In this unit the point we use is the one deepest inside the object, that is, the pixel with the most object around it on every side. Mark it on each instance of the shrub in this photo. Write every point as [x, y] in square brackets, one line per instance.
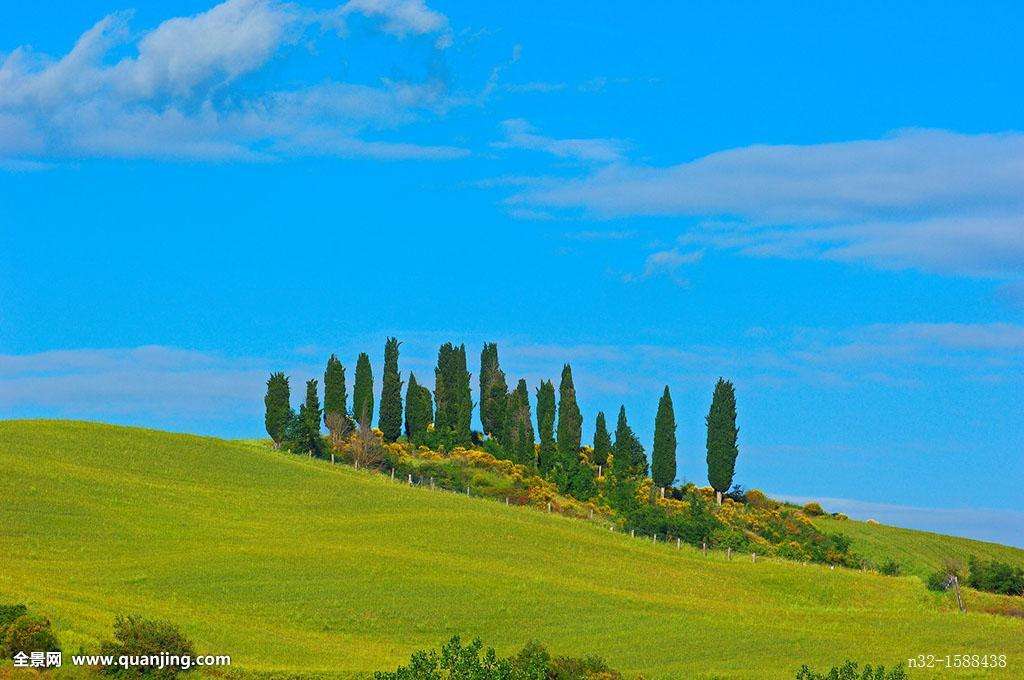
[937, 580]
[472, 662]
[758, 499]
[996, 577]
[839, 516]
[10, 612]
[28, 634]
[814, 509]
[890, 568]
[850, 671]
[142, 637]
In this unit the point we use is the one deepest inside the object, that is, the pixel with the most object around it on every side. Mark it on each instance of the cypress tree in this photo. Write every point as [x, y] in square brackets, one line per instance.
[452, 395]
[626, 451]
[518, 430]
[663, 456]
[362, 393]
[309, 421]
[570, 423]
[419, 410]
[722, 433]
[335, 397]
[546, 426]
[278, 408]
[493, 391]
[390, 418]
[602, 441]
[628, 458]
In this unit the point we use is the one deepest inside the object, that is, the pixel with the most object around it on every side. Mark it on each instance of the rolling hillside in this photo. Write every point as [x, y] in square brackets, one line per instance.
[918, 552]
[292, 564]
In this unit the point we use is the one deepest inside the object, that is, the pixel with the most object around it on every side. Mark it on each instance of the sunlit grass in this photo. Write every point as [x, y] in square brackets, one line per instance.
[288, 563]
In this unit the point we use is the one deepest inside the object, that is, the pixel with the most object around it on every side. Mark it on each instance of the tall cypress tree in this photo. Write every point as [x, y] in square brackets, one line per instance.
[722, 434]
[309, 421]
[570, 423]
[663, 456]
[626, 452]
[362, 393]
[602, 441]
[452, 395]
[335, 397]
[278, 408]
[548, 454]
[518, 430]
[419, 411]
[390, 419]
[493, 391]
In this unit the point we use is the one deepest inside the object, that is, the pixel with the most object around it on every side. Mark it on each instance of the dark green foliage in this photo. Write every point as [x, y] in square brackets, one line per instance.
[890, 568]
[602, 441]
[851, 671]
[390, 418]
[278, 407]
[8, 613]
[419, 411]
[135, 636]
[518, 430]
[336, 417]
[546, 426]
[722, 433]
[452, 396]
[493, 391]
[628, 458]
[996, 577]
[694, 526]
[455, 661]
[663, 456]
[583, 483]
[26, 634]
[308, 439]
[362, 392]
[570, 422]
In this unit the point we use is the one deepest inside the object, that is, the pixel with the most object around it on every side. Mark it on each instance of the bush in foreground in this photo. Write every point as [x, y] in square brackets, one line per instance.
[135, 637]
[851, 671]
[454, 661]
[26, 634]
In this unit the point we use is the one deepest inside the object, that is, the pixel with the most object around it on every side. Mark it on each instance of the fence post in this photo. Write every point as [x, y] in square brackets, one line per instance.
[753, 557]
[431, 482]
[591, 513]
[662, 492]
[549, 506]
[678, 542]
[332, 457]
[506, 500]
[356, 461]
[598, 470]
[632, 533]
[654, 538]
[410, 479]
[728, 553]
[704, 548]
[392, 474]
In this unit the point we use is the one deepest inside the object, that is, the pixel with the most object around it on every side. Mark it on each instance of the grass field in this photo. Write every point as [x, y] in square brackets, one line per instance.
[918, 552]
[292, 564]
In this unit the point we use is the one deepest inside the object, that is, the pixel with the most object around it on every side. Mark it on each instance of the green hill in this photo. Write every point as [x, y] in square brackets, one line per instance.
[917, 552]
[291, 564]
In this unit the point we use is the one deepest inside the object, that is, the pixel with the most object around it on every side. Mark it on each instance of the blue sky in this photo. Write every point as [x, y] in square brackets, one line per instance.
[826, 207]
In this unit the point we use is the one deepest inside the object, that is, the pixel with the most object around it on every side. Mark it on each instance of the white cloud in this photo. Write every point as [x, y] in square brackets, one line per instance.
[402, 18]
[927, 199]
[666, 263]
[519, 134]
[179, 95]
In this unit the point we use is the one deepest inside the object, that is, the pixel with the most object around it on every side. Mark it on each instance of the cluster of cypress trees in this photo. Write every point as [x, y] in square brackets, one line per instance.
[505, 416]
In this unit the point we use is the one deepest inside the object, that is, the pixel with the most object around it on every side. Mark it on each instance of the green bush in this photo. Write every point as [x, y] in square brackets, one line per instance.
[455, 661]
[937, 580]
[996, 577]
[814, 509]
[890, 568]
[27, 634]
[134, 636]
[850, 671]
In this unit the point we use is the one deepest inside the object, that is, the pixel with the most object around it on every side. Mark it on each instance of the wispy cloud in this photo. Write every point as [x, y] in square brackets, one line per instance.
[520, 134]
[179, 93]
[927, 199]
[666, 263]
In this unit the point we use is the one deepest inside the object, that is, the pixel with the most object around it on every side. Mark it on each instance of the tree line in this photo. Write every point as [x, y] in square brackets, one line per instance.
[442, 419]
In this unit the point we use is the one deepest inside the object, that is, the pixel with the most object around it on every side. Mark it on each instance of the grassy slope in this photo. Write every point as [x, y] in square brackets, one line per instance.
[287, 563]
[918, 552]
